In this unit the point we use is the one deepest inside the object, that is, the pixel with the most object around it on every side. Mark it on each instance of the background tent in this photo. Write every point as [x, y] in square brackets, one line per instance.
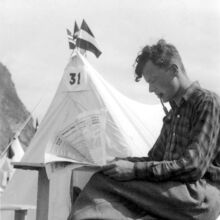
[84, 102]
[14, 154]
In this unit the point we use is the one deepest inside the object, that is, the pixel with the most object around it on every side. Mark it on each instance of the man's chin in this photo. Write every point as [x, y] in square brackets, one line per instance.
[164, 99]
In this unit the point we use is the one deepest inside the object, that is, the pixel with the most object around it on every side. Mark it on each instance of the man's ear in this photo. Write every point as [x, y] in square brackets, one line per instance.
[174, 69]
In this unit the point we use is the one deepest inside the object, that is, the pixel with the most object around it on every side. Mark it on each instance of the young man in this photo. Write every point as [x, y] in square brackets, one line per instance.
[180, 177]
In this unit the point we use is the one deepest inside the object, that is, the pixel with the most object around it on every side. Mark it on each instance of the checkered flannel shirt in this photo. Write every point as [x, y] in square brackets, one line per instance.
[188, 147]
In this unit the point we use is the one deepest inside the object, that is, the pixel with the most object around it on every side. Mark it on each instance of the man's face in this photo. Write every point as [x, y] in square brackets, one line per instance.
[162, 82]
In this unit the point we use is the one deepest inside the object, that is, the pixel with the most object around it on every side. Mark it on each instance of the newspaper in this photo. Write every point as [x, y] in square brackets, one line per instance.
[82, 141]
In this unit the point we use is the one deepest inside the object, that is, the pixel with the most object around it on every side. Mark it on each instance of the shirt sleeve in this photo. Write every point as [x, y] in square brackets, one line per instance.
[198, 154]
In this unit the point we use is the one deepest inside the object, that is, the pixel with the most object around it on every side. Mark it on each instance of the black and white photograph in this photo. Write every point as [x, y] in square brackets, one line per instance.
[109, 110]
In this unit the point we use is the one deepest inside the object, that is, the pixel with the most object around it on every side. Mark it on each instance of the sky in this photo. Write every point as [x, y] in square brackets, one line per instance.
[34, 46]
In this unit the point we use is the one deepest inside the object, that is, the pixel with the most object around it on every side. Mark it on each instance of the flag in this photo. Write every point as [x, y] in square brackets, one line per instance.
[70, 39]
[86, 40]
[10, 152]
[75, 31]
[15, 151]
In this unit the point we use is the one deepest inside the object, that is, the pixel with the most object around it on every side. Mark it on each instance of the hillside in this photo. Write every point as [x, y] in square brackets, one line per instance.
[12, 112]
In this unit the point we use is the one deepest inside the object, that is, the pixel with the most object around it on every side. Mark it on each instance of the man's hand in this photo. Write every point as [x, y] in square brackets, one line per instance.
[121, 170]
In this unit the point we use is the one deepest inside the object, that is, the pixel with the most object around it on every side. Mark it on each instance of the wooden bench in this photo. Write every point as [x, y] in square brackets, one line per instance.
[44, 187]
[20, 211]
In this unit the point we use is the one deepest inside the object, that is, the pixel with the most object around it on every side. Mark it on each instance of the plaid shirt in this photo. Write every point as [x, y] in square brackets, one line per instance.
[188, 147]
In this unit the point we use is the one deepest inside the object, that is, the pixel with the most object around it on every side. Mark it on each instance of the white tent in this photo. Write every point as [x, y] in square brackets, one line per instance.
[88, 121]
[129, 127]
[6, 169]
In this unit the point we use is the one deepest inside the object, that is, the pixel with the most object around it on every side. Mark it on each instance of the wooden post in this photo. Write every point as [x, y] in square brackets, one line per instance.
[42, 212]
[43, 195]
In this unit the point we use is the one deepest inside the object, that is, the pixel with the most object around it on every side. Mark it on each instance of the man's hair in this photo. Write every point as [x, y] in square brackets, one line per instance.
[162, 55]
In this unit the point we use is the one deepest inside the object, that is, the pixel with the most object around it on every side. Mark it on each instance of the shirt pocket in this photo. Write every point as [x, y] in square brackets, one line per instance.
[182, 137]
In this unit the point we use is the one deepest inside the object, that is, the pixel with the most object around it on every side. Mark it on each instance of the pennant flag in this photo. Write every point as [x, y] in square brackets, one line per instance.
[76, 31]
[70, 39]
[86, 40]
[10, 153]
[15, 151]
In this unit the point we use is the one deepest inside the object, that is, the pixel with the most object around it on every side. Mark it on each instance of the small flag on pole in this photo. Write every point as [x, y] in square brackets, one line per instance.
[75, 31]
[15, 151]
[10, 153]
[86, 40]
[70, 39]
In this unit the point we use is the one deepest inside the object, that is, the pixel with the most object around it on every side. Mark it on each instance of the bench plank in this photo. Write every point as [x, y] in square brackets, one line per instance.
[20, 211]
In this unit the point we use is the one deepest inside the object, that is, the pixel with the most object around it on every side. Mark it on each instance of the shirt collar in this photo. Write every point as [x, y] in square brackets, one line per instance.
[185, 97]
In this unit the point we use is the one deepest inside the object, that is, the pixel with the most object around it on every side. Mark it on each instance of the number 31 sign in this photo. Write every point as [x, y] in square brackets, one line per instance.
[76, 80]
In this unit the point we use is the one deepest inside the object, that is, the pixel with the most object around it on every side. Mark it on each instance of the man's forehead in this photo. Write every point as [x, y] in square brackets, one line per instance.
[150, 69]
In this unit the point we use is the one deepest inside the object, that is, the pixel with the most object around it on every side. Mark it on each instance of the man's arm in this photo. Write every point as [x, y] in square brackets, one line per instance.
[124, 168]
[198, 154]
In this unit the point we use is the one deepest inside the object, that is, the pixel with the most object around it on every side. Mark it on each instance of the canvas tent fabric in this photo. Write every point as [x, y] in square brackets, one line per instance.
[88, 109]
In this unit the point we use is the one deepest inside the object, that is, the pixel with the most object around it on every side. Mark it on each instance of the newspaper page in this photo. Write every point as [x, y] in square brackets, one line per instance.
[83, 140]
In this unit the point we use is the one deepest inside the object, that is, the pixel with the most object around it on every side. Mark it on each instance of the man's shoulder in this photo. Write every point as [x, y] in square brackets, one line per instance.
[201, 95]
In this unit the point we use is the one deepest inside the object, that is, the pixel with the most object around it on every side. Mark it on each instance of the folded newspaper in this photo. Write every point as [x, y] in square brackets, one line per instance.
[82, 141]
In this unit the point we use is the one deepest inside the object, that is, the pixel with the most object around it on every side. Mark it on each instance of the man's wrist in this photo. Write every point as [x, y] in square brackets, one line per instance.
[140, 170]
